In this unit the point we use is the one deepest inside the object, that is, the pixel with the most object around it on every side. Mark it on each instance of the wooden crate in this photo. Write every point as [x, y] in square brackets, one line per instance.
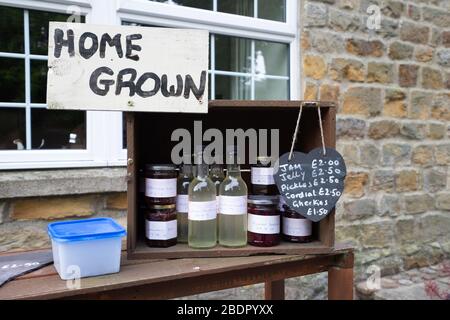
[149, 141]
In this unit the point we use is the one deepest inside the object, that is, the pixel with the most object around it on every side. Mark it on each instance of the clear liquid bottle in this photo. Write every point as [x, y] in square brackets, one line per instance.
[184, 179]
[202, 215]
[233, 205]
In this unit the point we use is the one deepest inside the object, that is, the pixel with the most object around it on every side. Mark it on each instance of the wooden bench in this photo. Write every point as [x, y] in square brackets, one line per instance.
[165, 279]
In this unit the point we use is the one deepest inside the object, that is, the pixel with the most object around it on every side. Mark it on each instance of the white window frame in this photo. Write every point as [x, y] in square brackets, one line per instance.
[104, 129]
[156, 13]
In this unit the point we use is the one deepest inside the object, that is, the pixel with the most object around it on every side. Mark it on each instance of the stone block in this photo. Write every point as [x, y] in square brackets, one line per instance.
[438, 17]
[420, 105]
[424, 54]
[314, 67]
[365, 48]
[442, 154]
[432, 79]
[443, 201]
[396, 154]
[359, 209]
[383, 180]
[407, 181]
[355, 184]
[435, 179]
[380, 72]
[53, 208]
[414, 32]
[316, 14]
[329, 92]
[414, 130]
[382, 129]
[344, 22]
[407, 75]
[418, 203]
[400, 51]
[362, 101]
[347, 69]
[351, 128]
[423, 155]
[369, 155]
[436, 130]
[117, 201]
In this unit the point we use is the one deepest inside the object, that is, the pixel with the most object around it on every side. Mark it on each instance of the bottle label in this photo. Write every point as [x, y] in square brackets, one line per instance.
[160, 188]
[230, 205]
[161, 230]
[297, 227]
[202, 211]
[262, 176]
[182, 203]
[263, 224]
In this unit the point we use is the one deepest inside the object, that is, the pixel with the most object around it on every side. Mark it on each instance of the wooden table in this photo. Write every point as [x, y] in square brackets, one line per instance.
[165, 279]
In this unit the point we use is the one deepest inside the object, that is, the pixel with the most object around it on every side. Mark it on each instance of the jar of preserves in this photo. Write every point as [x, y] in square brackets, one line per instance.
[161, 226]
[295, 227]
[262, 179]
[160, 184]
[263, 221]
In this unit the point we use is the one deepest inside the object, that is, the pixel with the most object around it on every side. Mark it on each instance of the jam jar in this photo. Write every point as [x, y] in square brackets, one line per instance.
[295, 227]
[160, 184]
[263, 221]
[262, 179]
[161, 226]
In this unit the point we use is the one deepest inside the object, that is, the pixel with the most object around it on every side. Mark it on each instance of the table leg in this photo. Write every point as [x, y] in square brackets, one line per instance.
[274, 290]
[340, 283]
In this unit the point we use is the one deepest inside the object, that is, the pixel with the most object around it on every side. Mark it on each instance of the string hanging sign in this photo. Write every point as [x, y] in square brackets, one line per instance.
[312, 183]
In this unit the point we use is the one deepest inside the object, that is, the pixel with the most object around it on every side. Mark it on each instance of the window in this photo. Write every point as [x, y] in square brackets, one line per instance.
[25, 124]
[254, 55]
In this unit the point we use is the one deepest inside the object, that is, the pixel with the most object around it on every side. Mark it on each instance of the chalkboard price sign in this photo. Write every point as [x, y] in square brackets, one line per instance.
[312, 183]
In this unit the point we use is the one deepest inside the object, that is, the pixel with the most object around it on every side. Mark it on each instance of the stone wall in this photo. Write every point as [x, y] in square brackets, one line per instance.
[393, 90]
[392, 86]
[29, 200]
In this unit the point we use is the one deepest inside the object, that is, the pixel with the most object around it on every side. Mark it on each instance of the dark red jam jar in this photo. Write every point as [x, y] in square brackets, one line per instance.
[262, 178]
[161, 226]
[263, 221]
[295, 227]
[160, 184]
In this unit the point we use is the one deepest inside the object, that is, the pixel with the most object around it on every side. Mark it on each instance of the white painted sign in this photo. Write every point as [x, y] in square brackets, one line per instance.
[127, 68]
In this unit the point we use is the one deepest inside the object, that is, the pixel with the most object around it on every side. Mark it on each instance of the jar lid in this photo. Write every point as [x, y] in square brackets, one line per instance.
[264, 160]
[258, 199]
[160, 167]
[162, 207]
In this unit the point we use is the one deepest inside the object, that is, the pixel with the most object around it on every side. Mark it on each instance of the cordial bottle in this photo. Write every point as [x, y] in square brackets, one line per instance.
[202, 211]
[233, 205]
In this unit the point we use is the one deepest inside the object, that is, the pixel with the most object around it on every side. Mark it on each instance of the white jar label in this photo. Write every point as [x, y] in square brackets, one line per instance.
[233, 205]
[202, 211]
[297, 227]
[182, 203]
[263, 224]
[262, 176]
[161, 230]
[160, 188]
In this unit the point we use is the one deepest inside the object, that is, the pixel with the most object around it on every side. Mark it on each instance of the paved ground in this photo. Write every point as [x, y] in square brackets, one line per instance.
[411, 285]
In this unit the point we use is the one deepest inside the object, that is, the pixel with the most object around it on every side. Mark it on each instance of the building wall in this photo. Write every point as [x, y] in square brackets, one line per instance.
[393, 91]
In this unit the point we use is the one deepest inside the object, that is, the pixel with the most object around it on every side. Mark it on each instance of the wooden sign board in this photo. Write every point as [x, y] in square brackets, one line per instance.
[127, 68]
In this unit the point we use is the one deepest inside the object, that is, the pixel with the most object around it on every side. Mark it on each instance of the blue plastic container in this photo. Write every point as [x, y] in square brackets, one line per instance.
[86, 248]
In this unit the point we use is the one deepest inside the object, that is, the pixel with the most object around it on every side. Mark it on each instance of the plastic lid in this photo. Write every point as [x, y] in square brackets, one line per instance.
[260, 199]
[87, 229]
[160, 167]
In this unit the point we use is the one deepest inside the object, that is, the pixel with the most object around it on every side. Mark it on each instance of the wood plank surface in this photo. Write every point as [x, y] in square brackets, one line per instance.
[210, 274]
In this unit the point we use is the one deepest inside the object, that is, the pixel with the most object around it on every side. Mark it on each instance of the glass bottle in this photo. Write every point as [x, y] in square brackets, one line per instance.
[202, 212]
[184, 178]
[233, 205]
[262, 179]
[217, 176]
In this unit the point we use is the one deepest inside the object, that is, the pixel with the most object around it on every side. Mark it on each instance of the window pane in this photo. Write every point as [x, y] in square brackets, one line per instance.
[12, 80]
[56, 129]
[243, 7]
[270, 89]
[272, 58]
[200, 4]
[11, 30]
[39, 29]
[272, 10]
[38, 81]
[233, 54]
[12, 128]
[238, 88]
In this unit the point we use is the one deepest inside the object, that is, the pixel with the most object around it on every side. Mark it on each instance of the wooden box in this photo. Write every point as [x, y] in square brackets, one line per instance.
[149, 141]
